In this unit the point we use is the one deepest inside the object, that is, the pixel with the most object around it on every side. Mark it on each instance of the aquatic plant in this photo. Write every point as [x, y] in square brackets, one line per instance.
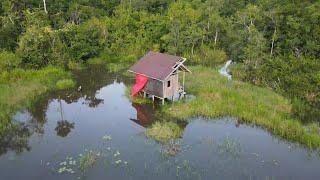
[65, 84]
[106, 138]
[86, 161]
[216, 96]
[172, 148]
[230, 146]
[164, 131]
[67, 166]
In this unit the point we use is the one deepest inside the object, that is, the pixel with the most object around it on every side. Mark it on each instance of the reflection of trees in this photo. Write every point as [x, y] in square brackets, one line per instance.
[91, 80]
[15, 138]
[63, 128]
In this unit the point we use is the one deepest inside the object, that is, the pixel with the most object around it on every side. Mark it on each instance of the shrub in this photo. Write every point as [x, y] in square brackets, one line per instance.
[37, 47]
[8, 61]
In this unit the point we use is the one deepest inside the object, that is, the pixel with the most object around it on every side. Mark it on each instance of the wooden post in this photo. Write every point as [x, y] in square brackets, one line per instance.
[183, 78]
[162, 101]
[144, 94]
[153, 98]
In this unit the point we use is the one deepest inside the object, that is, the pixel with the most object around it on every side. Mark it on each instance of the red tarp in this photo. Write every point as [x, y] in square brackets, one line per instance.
[141, 81]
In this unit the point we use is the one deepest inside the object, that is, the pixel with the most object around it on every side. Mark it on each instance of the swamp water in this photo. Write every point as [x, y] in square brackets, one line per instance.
[103, 133]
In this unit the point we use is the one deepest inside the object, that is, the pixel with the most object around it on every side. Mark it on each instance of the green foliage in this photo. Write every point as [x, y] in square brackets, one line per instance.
[296, 77]
[65, 84]
[8, 61]
[86, 40]
[39, 47]
[164, 131]
[36, 19]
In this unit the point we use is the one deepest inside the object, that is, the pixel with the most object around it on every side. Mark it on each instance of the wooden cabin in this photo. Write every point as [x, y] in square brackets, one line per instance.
[163, 72]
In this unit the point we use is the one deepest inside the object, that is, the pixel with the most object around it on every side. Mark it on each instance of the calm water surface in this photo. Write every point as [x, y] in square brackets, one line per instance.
[62, 126]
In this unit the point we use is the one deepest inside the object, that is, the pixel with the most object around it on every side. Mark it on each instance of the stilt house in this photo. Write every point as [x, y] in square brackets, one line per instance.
[162, 73]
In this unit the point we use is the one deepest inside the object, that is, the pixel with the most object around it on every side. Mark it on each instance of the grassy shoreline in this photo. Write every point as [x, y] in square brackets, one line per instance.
[18, 88]
[216, 97]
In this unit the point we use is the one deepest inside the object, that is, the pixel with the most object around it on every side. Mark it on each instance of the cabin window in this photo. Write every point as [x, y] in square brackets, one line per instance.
[168, 84]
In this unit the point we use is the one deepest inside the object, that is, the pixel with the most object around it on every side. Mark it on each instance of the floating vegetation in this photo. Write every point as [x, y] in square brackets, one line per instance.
[67, 166]
[106, 138]
[116, 154]
[86, 161]
[164, 131]
[118, 161]
[230, 147]
[172, 148]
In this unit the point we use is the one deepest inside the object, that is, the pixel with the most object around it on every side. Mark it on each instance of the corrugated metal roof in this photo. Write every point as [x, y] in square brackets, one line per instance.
[156, 65]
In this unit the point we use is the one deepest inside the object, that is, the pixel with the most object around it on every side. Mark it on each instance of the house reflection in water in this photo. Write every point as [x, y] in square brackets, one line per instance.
[145, 114]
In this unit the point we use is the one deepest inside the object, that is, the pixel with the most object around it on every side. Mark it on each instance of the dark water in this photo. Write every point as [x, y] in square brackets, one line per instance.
[100, 120]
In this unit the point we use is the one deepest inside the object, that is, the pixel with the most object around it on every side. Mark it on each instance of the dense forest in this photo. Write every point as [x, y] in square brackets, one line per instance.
[274, 44]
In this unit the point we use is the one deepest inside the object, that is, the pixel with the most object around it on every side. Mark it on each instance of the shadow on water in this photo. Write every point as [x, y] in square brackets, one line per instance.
[64, 129]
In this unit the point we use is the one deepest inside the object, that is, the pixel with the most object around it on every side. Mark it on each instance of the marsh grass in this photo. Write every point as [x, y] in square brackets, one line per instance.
[216, 96]
[18, 88]
[86, 161]
[65, 84]
[164, 131]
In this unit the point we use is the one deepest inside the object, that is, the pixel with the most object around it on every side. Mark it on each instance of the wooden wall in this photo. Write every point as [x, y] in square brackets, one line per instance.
[174, 86]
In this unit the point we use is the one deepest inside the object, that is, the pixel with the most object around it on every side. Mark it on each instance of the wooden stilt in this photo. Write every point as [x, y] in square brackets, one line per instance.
[183, 79]
[162, 101]
[153, 98]
[144, 94]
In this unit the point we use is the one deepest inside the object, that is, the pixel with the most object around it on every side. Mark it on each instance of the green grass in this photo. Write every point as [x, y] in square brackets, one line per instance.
[18, 88]
[164, 131]
[216, 97]
[65, 84]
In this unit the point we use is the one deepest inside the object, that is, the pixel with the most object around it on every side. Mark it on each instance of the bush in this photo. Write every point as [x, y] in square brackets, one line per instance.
[209, 57]
[296, 77]
[65, 84]
[8, 61]
[39, 47]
